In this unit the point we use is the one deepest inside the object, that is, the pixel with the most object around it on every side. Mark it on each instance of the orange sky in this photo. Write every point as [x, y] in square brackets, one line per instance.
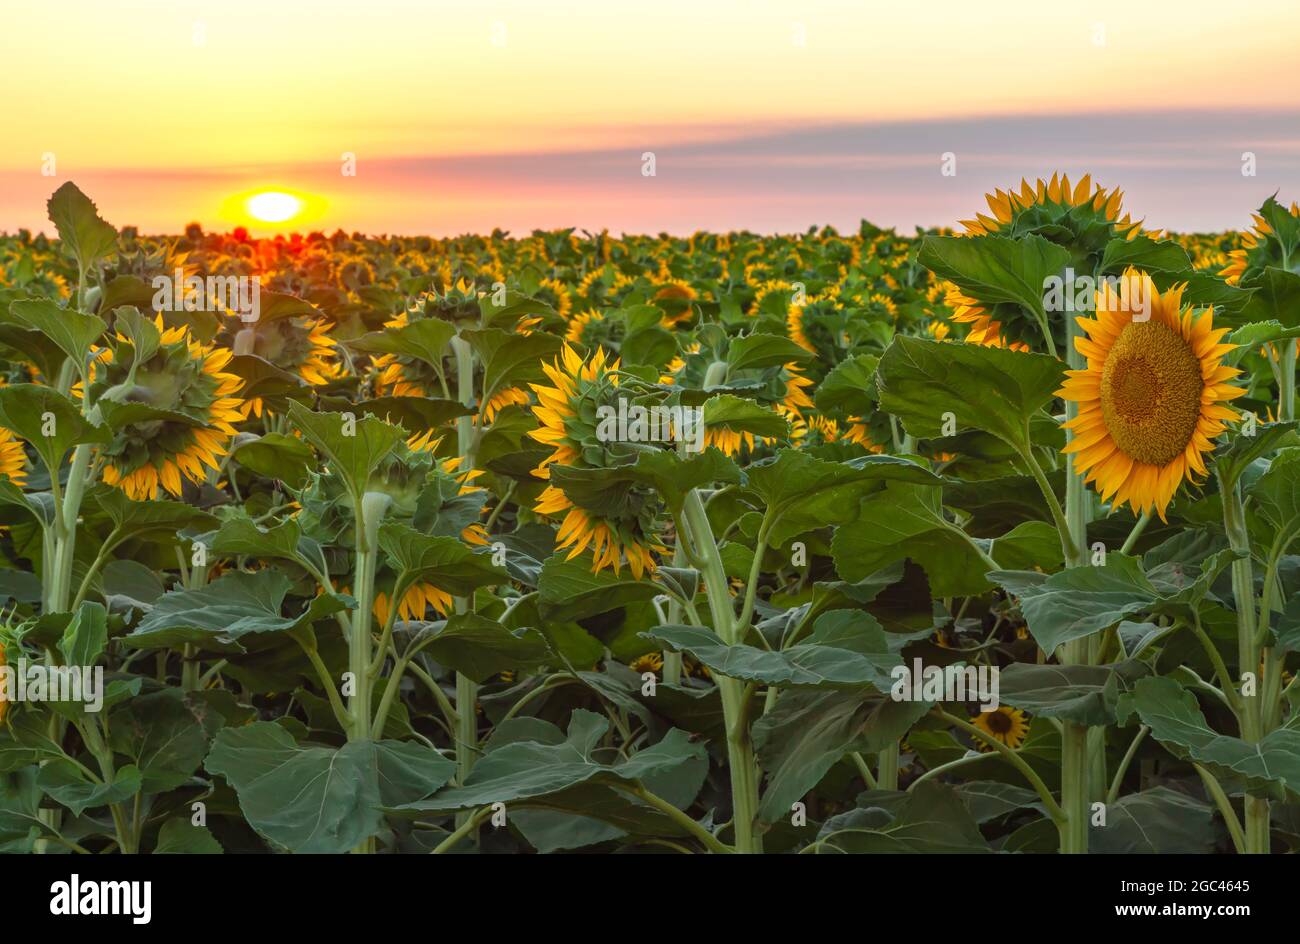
[173, 106]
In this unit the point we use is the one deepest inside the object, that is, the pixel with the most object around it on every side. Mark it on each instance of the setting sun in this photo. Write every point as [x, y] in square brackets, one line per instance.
[273, 206]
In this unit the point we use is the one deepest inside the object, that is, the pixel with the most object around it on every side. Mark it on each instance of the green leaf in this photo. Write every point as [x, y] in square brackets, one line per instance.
[850, 388]
[1155, 821]
[743, 416]
[1143, 252]
[987, 388]
[65, 783]
[529, 770]
[235, 605]
[1176, 721]
[73, 331]
[445, 562]
[930, 818]
[1230, 463]
[276, 456]
[478, 647]
[316, 799]
[138, 518]
[179, 836]
[163, 737]
[996, 269]
[240, 535]
[906, 521]
[139, 330]
[83, 232]
[568, 590]
[425, 339]
[48, 420]
[758, 351]
[808, 732]
[807, 665]
[800, 492]
[1029, 544]
[1083, 694]
[512, 360]
[86, 637]
[353, 447]
[673, 476]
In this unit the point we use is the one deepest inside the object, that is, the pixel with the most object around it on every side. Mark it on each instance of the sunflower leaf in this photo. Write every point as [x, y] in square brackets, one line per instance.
[48, 420]
[353, 446]
[80, 226]
[446, 562]
[926, 383]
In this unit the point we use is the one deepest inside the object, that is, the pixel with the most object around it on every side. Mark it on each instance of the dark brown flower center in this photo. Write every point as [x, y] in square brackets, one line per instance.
[1151, 392]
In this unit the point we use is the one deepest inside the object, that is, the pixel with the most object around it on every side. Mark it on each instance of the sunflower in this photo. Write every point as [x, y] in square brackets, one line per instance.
[623, 526]
[183, 380]
[675, 297]
[1257, 251]
[13, 458]
[1005, 724]
[297, 345]
[414, 604]
[650, 662]
[984, 330]
[556, 294]
[1048, 203]
[510, 396]
[1152, 396]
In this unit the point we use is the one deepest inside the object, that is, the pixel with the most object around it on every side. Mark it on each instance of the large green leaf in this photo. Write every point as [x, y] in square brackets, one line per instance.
[1176, 721]
[800, 492]
[425, 339]
[808, 732]
[478, 647]
[1080, 601]
[569, 590]
[996, 269]
[316, 799]
[234, 605]
[276, 456]
[1084, 694]
[810, 664]
[525, 771]
[756, 351]
[1155, 821]
[83, 232]
[446, 562]
[988, 388]
[930, 818]
[743, 416]
[48, 420]
[907, 521]
[353, 447]
[73, 331]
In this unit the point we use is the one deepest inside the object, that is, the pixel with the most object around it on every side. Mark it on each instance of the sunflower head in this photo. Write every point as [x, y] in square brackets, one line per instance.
[616, 518]
[1082, 217]
[1004, 723]
[299, 345]
[1274, 241]
[189, 408]
[592, 329]
[1152, 396]
[13, 457]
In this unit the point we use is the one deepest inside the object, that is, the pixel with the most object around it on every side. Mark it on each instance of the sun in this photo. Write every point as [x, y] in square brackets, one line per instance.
[273, 206]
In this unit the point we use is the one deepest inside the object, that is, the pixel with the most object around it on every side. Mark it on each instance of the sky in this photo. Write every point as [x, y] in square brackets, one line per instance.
[772, 116]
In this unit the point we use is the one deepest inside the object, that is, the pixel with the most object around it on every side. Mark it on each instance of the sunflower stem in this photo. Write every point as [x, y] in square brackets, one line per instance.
[740, 749]
[466, 688]
[1286, 382]
[1250, 714]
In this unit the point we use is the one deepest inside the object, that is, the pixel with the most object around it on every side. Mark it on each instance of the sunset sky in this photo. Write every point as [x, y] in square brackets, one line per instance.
[767, 115]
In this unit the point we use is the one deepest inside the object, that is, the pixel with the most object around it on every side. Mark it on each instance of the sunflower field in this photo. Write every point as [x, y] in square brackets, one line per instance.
[981, 540]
